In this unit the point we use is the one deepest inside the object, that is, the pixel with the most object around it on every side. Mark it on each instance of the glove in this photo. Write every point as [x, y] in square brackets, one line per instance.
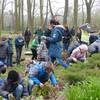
[43, 37]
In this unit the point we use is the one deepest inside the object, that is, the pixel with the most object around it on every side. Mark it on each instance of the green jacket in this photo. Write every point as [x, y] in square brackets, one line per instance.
[34, 43]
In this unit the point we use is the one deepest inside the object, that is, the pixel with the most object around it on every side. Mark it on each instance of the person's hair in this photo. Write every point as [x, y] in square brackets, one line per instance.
[54, 22]
[13, 76]
[3, 70]
[49, 67]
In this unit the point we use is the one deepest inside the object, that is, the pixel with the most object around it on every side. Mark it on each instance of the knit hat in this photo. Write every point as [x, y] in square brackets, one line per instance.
[83, 47]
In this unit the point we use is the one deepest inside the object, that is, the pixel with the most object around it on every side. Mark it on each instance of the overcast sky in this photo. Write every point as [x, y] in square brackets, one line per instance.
[56, 4]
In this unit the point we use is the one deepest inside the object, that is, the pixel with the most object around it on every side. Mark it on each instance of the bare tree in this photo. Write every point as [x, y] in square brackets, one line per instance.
[33, 13]
[2, 14]
[65, 12]
[22, 15]
[46, 18]
[19, 9]
[29, 8]
[82, 11]
[41, 14]
[51, 11]
[0, 21]
[16, 17]
[89, 5]
[75, 12]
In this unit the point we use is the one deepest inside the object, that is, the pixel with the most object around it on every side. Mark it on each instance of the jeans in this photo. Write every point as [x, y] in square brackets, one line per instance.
[18, 54]
[9, 59]
[17, 93]
[57, 56]
[30, 86]
[65, 46]
[3, 60]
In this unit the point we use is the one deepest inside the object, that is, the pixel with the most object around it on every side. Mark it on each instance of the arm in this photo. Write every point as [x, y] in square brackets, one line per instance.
[53, 79]
[55, 37]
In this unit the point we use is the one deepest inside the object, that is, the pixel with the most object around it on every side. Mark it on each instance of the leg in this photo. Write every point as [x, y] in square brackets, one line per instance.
[30, 86]
[17, 55]
[18, 92]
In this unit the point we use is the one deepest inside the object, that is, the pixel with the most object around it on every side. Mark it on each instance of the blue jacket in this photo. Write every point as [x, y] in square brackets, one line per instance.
[55, 41]
[41, 76]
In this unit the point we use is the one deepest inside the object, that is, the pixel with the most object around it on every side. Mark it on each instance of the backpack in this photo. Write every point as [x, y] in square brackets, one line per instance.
[19, 41]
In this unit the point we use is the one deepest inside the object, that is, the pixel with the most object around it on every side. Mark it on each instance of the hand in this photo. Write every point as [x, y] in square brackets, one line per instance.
[74, 59]
[43, 37]
[57, 87]
[41, 85]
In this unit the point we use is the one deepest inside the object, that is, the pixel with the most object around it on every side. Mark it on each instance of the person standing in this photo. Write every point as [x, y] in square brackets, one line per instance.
[19, 43]
[10, 51]
[55, 38]
[3, 49]
[27, 37]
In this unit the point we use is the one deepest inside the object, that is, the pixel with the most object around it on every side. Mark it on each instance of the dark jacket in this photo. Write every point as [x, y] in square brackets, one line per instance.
[10, 46]
[3, 49]
[66, 36]
[27, 35]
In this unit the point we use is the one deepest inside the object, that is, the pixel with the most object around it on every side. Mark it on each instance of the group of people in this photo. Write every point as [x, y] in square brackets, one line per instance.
[46, 49]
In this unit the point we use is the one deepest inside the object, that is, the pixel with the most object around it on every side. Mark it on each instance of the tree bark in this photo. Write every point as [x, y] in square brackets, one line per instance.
[16, 17]
[51, 11]
[75, 12]
[41, 15]
[22, 15]
[89, 5]
[29, 6]
[2, 15]
[33, 21]
[65, 13]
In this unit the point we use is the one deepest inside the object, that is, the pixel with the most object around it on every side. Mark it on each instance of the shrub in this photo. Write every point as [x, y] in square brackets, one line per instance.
[87, 90]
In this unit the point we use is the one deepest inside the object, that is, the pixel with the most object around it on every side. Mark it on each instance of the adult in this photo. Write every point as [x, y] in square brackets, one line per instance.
[78, 34]
[55, 39]
[3, 49]
[66, 38]
[27, 37]
[95, 47]
[19, 43]
[10, 52]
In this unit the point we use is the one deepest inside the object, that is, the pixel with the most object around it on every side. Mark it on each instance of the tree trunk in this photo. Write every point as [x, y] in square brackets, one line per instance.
[19, 6]
[89, 5]
[65, 13]
[29, 6]
[46, 18]
[16, 17]
[22, 15]
[88, 19]
[75, 13]
[52, 15]
[41, 15]
[33, 21]
[2, 15]
[82, 12]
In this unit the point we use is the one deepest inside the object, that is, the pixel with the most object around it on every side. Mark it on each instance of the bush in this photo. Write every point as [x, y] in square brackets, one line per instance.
[87, 90]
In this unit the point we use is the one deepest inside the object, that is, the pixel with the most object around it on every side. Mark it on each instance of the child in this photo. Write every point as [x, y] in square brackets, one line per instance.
[39, 74]
[42, 50]
[34, 47]
[12, 85]
[78, 54]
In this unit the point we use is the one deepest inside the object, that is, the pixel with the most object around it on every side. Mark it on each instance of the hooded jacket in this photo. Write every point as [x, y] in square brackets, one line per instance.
[3, 49]
[79, 52]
